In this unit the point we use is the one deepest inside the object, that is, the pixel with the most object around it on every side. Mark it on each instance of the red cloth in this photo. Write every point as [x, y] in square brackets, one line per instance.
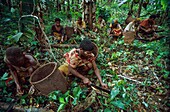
[147, 23]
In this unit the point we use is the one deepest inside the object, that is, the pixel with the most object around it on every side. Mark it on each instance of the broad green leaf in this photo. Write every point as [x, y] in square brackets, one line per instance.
[60, 107]
[77, 91]
[164, 3]
[118, 104]
[5, 76]
[114, 93]
[12, 10]
[75, 101]
[17, 36]
[61, 99]
[107, 110]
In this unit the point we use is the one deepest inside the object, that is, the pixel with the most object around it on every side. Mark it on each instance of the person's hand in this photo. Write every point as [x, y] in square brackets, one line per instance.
[19, 90]
[104, 85]
[148, 30]
[86, 81]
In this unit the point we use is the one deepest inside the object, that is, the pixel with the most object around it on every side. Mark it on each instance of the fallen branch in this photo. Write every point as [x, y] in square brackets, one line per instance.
[121, 76]
[130, 79]
[4, 106]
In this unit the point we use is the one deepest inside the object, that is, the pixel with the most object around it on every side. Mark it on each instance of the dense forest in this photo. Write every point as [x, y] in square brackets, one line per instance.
[134, 65]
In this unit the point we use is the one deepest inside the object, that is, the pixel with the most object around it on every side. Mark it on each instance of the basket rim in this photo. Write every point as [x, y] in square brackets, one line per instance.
[44, 77]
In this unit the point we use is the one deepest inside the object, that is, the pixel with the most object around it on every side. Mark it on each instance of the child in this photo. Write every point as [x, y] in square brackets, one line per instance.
[20, 64]
[81, 60]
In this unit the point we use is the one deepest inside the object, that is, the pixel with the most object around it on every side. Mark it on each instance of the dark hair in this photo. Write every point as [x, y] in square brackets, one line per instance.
[57, 19]
[100, 16]
[80, 18]
[86, 45]
[14, 54]
[152, 16]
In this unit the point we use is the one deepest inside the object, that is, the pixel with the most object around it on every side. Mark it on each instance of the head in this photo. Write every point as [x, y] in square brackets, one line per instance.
[137, 21]
[79, 20]
[86, 46]
[15, 56]
[152, 18]
[100, 18]
[57, 21]
[114, 23]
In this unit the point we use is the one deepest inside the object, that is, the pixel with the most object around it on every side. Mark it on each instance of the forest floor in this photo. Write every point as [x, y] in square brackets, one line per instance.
[135, 64]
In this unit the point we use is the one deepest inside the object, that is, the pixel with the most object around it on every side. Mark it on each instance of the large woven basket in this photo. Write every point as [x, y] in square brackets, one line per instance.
[48, 78]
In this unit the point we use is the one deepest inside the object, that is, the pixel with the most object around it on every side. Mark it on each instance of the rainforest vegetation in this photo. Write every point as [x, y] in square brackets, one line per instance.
[137, 73]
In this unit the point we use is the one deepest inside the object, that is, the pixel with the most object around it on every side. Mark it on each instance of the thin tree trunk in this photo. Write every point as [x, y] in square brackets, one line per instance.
[90, 15]
[140, 7]
[68, 7]
[57, 3]
[131, 8]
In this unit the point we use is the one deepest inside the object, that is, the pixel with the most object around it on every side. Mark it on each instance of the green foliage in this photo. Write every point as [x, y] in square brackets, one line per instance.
[165, 3]
[124, 94]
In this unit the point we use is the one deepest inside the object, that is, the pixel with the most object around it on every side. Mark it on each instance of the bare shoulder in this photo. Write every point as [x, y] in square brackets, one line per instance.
[30, 58]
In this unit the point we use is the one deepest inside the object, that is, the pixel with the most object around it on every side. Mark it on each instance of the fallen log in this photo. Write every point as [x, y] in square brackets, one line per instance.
[64, 45]
[150, 39]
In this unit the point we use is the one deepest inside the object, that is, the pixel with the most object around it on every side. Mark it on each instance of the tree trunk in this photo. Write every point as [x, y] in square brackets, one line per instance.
[140, 7]
[68, 7]
[90, 15]
[131, 7]
[89, 10]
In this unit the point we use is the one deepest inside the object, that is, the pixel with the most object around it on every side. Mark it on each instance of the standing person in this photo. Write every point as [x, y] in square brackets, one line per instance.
[21, 65]
[81, 60]
[147, 28]
[58, 31]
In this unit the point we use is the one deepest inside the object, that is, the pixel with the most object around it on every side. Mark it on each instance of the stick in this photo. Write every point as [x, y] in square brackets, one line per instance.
[126, 78]
[46, 38]
[100, 88]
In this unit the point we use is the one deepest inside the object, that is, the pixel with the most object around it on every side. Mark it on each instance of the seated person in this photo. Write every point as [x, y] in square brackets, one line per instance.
[147, 27]
[81, 60]
[21, 65]
[116, 30]
[100, 24]
[80, 25]
[58, 31]
[132, 26]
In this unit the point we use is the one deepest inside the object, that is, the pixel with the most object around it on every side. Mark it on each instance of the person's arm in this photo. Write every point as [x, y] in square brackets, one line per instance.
[142, 28]
[97, 72]
[15, 76]
[120, 27]
[32, 61]
[77, 74]
[84, 25]
[52, 30]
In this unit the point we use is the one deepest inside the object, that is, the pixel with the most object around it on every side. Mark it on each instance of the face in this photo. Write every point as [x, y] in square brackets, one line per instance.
[100, 19]
[57, 23]
[79, 21]
[151, 20]
[86, 53]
